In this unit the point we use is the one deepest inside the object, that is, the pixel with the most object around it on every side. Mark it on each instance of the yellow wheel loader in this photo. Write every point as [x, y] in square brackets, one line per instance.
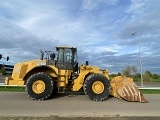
[60, 72]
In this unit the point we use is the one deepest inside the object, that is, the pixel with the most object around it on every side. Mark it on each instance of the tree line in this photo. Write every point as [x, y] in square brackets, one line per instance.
[131, 71]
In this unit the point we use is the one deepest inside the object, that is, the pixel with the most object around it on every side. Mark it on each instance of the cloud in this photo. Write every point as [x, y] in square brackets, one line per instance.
[100, 29]
[96, 4]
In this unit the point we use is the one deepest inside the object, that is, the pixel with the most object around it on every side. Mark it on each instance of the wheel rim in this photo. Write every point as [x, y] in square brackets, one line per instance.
[38, 86]
[98, 87]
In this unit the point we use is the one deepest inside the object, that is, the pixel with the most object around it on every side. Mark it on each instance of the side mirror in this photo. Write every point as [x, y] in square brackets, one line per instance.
[7, 58]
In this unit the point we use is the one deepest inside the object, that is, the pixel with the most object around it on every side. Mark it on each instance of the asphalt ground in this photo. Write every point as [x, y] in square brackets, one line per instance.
[17, 104]
[79, 118]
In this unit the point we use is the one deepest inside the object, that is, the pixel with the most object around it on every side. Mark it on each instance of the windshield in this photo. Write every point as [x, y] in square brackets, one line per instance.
[67, 53]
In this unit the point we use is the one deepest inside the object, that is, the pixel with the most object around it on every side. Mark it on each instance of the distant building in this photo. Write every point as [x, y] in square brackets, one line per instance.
[7, 68]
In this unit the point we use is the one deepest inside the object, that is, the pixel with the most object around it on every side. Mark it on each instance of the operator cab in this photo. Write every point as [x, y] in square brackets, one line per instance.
[67, 58]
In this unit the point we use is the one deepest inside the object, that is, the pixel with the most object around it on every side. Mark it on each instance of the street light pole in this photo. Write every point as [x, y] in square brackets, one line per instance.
[140, 56]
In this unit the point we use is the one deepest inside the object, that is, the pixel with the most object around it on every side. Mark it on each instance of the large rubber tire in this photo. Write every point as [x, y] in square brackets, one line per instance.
[39, 78]
[89, 83]
[55, 89]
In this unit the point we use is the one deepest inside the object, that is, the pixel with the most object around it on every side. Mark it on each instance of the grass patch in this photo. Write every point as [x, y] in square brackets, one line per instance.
[12, 88]
[155, 80]
[150, 91]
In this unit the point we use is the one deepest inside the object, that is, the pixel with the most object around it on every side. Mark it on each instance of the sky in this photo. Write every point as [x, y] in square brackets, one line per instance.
[100, 29]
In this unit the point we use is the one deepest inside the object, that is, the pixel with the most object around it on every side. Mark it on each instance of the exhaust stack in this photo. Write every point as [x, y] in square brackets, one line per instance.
[41, 55]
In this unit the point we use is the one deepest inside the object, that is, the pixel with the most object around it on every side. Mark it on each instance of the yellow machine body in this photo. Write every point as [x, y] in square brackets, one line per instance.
[22, 71]
[42, 78]
[84, 72]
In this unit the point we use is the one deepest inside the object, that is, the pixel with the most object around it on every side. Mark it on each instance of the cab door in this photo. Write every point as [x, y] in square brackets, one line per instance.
[65, 59]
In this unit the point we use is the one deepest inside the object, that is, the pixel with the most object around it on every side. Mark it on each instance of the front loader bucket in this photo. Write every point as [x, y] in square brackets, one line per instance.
[125, 88]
